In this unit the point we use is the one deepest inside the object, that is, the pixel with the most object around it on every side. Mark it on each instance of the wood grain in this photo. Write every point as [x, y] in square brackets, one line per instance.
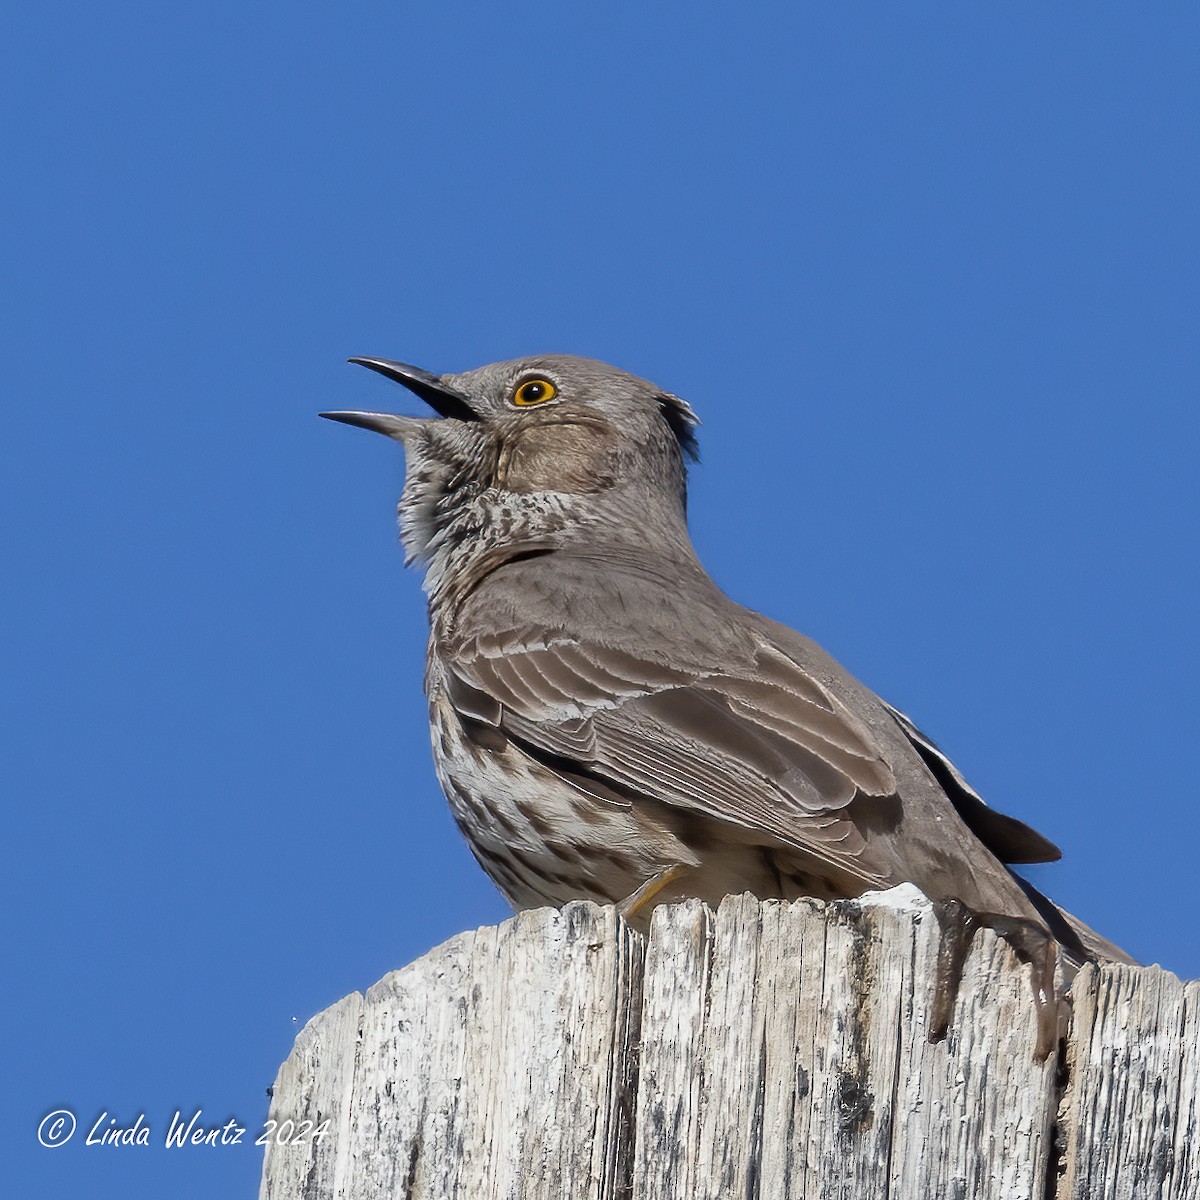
[499, 1065]
[1131, 1106]
[802, 1067]
[768, 1050]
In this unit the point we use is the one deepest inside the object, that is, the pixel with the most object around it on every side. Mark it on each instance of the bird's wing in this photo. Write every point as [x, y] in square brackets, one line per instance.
[1010, 840]
[762, 745]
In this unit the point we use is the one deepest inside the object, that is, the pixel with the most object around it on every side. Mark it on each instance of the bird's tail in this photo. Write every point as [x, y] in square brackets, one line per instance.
[1080, 942]
[1099, 949]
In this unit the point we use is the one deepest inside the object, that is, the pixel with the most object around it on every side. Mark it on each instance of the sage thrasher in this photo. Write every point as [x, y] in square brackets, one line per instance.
[606, 723]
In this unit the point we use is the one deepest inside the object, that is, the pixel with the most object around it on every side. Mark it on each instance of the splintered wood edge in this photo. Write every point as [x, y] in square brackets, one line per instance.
[1131, 1107]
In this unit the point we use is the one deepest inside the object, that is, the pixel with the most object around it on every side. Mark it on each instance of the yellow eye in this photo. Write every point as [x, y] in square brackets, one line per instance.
[534, 391]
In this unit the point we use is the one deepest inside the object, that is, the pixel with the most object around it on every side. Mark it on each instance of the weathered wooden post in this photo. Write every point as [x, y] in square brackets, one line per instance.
[767, 1050]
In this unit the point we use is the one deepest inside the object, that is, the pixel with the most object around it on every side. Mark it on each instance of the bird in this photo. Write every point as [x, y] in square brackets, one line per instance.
[608, 725]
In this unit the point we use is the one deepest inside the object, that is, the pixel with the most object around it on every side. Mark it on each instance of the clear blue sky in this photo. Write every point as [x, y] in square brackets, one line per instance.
[929, 274]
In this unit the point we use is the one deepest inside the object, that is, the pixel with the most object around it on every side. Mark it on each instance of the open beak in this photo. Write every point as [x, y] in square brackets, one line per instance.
[443, 399]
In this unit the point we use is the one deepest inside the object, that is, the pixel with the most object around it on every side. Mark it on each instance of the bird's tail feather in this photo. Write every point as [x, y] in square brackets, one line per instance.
[1100, 949]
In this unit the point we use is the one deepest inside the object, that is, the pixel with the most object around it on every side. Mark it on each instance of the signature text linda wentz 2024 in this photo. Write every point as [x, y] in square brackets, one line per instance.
[193, 1131]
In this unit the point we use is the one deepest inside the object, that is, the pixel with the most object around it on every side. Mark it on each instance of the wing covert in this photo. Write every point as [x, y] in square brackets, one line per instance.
[764, 748]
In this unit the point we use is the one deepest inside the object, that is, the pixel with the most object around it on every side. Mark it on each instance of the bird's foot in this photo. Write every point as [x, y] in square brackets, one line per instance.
[636, 901]
[1032, 945]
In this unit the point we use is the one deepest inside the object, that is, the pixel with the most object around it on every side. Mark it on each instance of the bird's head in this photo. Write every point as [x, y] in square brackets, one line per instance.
[534, 448]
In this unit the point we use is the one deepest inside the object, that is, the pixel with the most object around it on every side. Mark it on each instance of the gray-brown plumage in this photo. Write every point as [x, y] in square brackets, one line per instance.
[606, 723]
